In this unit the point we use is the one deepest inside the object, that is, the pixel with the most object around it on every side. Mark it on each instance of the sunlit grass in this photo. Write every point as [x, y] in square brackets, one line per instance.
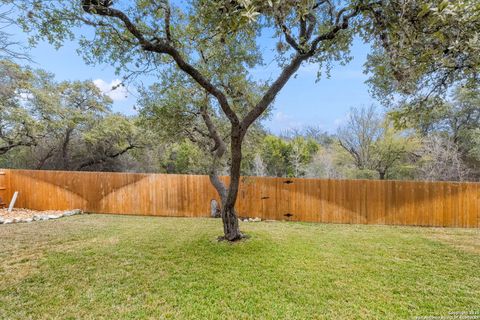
[111, 267]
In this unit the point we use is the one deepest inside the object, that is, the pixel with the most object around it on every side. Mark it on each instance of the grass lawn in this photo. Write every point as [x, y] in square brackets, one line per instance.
[117, 267]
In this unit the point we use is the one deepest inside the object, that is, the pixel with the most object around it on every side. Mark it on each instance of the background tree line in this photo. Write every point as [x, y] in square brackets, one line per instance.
[45, 124]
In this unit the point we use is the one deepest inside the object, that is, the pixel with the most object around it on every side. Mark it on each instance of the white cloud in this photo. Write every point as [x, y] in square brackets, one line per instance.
[285, 121]
[113, 89]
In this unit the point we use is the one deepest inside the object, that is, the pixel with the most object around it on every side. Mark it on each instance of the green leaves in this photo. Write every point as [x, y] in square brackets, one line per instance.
[422, 48]
[60, 125]
[444, 4]
[425, 9]
[287, 157]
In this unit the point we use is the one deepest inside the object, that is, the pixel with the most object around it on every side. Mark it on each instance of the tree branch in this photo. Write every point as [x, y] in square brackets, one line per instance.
[218, 151]
[163, 47]
[295, 63]
[105, 157]
[272, 92]
[168, 14]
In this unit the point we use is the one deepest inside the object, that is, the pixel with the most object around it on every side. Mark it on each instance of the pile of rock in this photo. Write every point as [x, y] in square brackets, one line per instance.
[26, 216]
[251, 219]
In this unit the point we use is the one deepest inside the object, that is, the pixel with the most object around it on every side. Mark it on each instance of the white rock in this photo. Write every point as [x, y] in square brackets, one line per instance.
[7, 221]
[1, 220]
[27, 220]
[52, 216]
[257, 220]
[72, 212]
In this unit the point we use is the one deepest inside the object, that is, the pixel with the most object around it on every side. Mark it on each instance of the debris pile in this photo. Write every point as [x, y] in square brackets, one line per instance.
[26, 215]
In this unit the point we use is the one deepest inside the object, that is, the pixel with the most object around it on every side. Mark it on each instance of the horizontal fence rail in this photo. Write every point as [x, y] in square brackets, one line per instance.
[444, 204]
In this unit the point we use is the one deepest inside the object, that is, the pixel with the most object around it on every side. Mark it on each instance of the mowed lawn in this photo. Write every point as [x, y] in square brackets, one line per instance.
[121, 267]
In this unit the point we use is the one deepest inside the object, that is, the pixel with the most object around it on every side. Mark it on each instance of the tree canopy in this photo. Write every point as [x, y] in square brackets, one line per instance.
[64, 125]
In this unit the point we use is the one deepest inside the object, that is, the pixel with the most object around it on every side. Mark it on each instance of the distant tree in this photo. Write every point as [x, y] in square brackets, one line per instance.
[373, 143]
[441, 160]
[18, 127]
[9, 49]
[109, 138]
[392, 152]
[315, 133]
[259, 168]
[473, 154]
[287, 158]
[64, 125]
[362, 129]
[184, 158]
[275, 153]
[457, 119]
[214, 45]
[65, 110]
[324, 164]
[452, 116]
[301, 153]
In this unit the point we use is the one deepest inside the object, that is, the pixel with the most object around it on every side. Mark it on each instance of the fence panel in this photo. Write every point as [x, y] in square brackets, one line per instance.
[448, 204]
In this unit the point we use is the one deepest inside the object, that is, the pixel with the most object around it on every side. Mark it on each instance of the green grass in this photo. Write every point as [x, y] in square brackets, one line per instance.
[119, 267]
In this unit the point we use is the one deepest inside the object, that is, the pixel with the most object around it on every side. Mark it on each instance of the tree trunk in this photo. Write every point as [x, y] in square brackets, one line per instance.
[231, 228]
[65, 144]
[382, 175]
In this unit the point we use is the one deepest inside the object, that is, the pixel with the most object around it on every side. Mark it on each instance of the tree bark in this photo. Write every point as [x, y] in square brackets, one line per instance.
[231, 228]
[382, 175]
[65, 145]
[228, 196]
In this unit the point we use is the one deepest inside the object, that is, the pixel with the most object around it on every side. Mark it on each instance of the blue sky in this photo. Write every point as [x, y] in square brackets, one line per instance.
[303, 101]
[326, 103]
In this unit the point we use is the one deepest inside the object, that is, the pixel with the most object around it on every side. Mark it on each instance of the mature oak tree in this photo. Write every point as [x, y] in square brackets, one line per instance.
[18, 127]
[215, 44]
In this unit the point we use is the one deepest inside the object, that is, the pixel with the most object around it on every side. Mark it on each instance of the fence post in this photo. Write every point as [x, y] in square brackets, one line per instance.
[3, 188]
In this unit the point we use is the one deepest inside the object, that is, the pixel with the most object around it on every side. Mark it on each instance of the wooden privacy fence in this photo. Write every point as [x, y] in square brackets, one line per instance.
[447, 204]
